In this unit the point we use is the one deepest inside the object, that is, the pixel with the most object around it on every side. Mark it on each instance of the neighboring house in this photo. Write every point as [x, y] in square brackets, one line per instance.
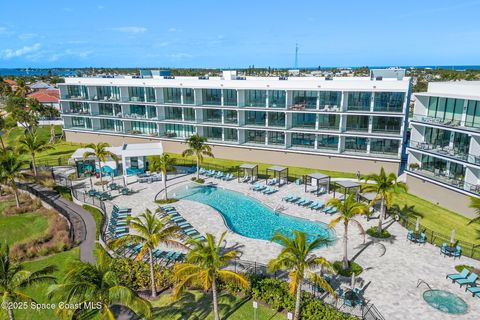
[11, 83]
[47, 97]
[39, 85]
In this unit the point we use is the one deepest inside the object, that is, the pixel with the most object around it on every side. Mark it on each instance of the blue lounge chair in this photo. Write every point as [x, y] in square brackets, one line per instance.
[308, 202]
[475, 291]
[270, 191]
[422, 239]
[261, 188]
[456, 276]
[319, 205]
[299, 201]
[294, 199]
[313, 205]
[469, 281]
[121, 210]
[289, 197]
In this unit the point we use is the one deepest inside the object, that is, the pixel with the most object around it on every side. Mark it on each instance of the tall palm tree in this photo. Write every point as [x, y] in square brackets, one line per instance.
[10, 171]
[349, 209]
[151, 232]
[2, 132]
[22, 88]
[97, 283]
[197, 147]
[163, 163]
[297, 257]
[384, 186]
[14, 279]
[100, 153]
[31, 144]
[204, 268]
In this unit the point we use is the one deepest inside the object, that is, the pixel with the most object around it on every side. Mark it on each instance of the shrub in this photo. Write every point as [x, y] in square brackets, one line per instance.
[136, 274]
[460, 267]
[48, 183]
[373, 231]
[199, 180]
[99, 183]
[163, 201]
[64, 192]
[353, 268]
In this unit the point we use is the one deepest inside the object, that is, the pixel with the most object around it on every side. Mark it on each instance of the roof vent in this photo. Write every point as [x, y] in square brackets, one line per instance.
[169, 77]
[241, 78]
[328, 78]
[282, 78]
[203, 78]
[379, 78]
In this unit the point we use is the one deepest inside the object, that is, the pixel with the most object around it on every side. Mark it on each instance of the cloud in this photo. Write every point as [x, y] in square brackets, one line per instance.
[173, 29]
[180, 56]
[130, 29]
[4, 31]
[27, 36]
[15, 53]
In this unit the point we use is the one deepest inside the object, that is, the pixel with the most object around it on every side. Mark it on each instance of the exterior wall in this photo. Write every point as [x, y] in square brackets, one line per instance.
[452, 200]
[282, 157]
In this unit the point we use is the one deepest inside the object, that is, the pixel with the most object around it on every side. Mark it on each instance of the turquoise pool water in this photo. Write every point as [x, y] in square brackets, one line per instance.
[247, 216]
[445, 301]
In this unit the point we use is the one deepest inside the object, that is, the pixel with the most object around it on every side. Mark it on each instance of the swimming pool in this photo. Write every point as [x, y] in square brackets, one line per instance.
[247, 216]
[445, 301]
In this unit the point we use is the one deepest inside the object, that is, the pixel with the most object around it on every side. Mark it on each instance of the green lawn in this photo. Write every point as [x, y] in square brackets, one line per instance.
[15, 228]
[196, 305]
[97, 215]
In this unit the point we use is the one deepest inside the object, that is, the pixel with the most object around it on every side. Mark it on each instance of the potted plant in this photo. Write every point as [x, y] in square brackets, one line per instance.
[414, 166]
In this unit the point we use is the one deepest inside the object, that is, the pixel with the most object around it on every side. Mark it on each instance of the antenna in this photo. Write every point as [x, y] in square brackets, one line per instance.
[296, 55]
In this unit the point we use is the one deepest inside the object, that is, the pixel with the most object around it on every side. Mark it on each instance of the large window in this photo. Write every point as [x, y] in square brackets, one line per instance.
[359, 101]
[138, 110]
[389, 101]
[473, 114]
[305, 99]
[387, 124]
[230, 134]
[387, 146]
[212, 133]
[189, 114]
[79, 107]
[276, 138]
[80, 122]
[107, 124]
[188, 96]
[255, 98]
[442, 167]
[276, 119]
[172, 95]
[437, 137]
[150, 92]
[144, 128]
[303, 140]
[230, 116]
[357, 123]
[327, 142]
[212, 115]
[446, 109]
[255, 136]
[212, 97]
[329, 122]
[276, 99]
[330, 98]
[136, 94]
[105, 109]
[152, 112]
[255, 118]
[355, 144]
[229, 97]
[179, 130]
[173, 113]
[304, 120]
[77, 92]
[108, 93]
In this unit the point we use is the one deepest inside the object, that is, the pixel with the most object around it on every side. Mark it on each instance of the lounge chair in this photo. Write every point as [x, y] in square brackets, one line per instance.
[272, 190]
[308, 202]
[301, 201]
[456, 276]
[469, 281]
[319, 205]
[289, 197]
[261, 188]
[475, 291]
[294, 199]
[121, 210]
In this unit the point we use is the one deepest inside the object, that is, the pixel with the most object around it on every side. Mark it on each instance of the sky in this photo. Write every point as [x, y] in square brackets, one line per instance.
[228, 34]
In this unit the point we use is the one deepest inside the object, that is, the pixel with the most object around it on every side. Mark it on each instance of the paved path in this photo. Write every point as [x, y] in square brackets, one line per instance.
[82, 222]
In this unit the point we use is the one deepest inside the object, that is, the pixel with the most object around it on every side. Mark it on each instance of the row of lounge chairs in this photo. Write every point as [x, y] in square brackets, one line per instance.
[216, 174]
[249, 179]
[465, 278]
[132, 250]
[118, 225]
[177, 219]
[314, 205]
[263, 189]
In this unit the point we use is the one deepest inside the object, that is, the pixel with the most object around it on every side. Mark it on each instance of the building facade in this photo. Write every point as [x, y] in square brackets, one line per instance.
[444, 148]
[343, 124]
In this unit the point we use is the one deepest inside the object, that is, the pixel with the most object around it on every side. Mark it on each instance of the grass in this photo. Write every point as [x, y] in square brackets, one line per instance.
[15, 228]
[197, 305]
[97, 215]
[352, 268]
[292, 171]
[64, 192]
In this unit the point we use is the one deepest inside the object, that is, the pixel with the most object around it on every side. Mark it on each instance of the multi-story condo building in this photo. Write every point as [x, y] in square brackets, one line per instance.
[444, 149]
[343, 124]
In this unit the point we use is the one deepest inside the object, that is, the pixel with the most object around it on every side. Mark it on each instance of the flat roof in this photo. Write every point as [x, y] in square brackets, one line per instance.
[447, 95]
[368, 195]
[277, 168]
[318, 175]
[248, 166]
[78, 154]
[347, 184]
[127, 150]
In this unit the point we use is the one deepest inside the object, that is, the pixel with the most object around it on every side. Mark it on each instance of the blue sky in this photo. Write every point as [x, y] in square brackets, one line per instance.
[209, 33]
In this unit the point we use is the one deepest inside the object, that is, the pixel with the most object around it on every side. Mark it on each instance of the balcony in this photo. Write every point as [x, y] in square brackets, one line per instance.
[72, 97]
[447, 122]
[106, 98]
[445, 151]
[443, 177]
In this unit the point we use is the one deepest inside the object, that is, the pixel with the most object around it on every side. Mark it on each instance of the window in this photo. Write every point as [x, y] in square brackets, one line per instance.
[304, 120]
[189, 114]
[144, 128]
[173, 113]
[359, 100]
[172, 95]
[136, 94]
[355, 144]
[108, 93]
[388, 146]
[107, 124]
[229, 97]
[77, 92]
[327, 142]
[276, 119]
[255, 98]
[276, 99]
[446, 109]
[437, 137]
[387, 124]
[212, 97]
[329, 122]
[255, 136]
[230, 116]
[388, 101]
[212, 115]
[306, 99]
[255, 118]
[357, 123]
[134, 162]
[78, 122]
[152, 112]
[188, 96]
[230, 134]
[179, 130]
[212, 133]
[276, 138]
[330, 98]
[303, 140]
[79, 107]
[105, 109]
[138, 110]
[473, 114]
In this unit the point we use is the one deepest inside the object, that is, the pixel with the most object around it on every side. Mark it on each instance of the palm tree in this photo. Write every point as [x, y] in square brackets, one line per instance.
[2, 132]
[22, 88]
[349, 209]
[163, 163]
[14, 279]
[297, 257]
[100, 152]
[204, 268]
[151, 232]
[475, 205]
[384, 186]
[197, 147]
[10, 170]
[97, 283]
[32, 145]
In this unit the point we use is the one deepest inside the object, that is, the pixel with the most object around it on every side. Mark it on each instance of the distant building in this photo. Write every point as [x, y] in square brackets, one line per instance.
[47, 97]
[40, 85]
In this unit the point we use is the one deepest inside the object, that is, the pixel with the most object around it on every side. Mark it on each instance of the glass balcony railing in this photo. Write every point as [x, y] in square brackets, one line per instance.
[445, 151]
[446, 122]
[443, 177]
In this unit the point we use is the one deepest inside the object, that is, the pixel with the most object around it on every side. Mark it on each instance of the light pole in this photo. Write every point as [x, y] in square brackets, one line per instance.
[290, 316]
[255, 306]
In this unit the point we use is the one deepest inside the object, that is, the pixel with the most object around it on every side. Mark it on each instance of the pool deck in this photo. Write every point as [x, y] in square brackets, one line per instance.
[392, 267]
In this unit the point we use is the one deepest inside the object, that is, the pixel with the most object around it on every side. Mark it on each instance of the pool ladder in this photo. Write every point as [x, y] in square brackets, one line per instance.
[420, 282]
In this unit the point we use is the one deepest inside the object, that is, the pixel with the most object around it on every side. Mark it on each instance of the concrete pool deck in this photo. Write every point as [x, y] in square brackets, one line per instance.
[392, 267]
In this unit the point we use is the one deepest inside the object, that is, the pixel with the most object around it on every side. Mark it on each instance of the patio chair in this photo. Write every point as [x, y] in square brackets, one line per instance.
[319, 205]
[458, 252]
[300, 201]
[271, 191]
[410, 235]
[308, 202]
[294, 199]
[289, 197]
[456, 276]
[469, 281]
[475, 291]
[121, 210]
[423, 238]
[261, 188]
[201, 171]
